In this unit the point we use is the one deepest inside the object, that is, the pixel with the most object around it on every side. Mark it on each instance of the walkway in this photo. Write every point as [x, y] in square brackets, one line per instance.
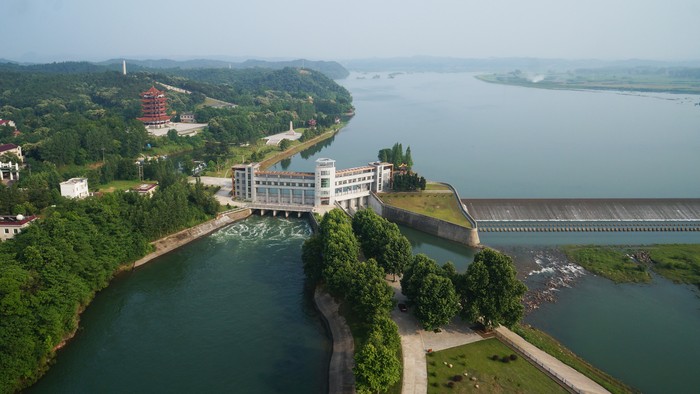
[567, 375]
[415, 342]
[340, 375]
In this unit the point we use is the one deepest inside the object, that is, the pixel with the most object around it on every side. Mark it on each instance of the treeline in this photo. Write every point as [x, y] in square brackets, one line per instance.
[331, 257]
[404, 179]
[488, 292]
[74, 115]
[52, 270]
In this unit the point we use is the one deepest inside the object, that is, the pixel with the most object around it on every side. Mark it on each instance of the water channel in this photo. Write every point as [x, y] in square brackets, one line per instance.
[228, 313]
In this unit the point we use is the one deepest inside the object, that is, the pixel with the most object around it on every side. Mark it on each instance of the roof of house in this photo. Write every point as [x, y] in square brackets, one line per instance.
[6, 147]
[74, 181]
[145, 187]
[15, 220]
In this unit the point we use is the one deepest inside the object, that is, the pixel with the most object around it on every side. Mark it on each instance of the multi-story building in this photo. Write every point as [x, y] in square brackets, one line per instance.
[75, 188]
[350, 188]
[154, 106]
[12, 225]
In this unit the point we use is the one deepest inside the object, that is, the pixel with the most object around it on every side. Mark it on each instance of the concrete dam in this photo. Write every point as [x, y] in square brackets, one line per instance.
[527, 215]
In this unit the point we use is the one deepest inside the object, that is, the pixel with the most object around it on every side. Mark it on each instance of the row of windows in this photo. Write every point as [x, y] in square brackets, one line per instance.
[346, 181]
[14, 231]
[292, 184]
[272, 190]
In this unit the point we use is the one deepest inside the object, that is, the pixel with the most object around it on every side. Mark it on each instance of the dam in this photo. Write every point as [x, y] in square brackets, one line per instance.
[600, 214]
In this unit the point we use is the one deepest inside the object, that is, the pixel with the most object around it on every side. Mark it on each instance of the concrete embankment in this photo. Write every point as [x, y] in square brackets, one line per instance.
[430, 225]
[174, 241]
[340, 376]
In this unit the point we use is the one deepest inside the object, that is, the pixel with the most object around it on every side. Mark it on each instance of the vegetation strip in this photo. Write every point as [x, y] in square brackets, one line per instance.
[677, 262]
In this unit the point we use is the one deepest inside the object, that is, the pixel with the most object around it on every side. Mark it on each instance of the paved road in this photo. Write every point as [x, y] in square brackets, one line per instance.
[224, 194]
[415, 342]
[567, 375]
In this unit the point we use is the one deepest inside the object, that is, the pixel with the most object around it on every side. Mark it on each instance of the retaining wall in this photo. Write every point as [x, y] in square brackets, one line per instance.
[174, 241]
[440, 228]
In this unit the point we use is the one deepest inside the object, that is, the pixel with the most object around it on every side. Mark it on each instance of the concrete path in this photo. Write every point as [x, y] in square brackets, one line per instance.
[567, 375]
[340, 376]
[415, 342]
[224, 194]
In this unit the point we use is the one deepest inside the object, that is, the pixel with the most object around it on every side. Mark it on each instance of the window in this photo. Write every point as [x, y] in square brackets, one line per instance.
[325, 182]
[7, 231]
[14, 230]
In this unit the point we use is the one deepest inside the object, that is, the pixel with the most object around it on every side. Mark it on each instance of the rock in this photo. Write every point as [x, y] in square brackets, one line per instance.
[444, 362]
[473, 378]
[466, 374]
[449, 365]
[476, 386]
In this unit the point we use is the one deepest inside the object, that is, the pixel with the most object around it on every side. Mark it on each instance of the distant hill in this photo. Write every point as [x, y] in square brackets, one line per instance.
[331, 69]
[449, 64]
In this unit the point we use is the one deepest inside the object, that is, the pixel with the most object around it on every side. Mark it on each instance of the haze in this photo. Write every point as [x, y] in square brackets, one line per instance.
[58, 30]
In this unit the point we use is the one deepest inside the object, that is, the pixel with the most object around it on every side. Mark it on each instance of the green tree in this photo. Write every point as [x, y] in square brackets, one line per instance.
[408, 159]
[437, 302]
[376, 366]
[416, 272]
[285, 144]
[490, 292]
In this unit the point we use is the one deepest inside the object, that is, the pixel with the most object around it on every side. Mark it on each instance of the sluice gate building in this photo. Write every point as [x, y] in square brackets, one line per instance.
[282, 191]
[527, 215]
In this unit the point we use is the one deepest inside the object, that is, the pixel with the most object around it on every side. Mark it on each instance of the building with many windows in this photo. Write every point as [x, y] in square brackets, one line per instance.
[349, 188]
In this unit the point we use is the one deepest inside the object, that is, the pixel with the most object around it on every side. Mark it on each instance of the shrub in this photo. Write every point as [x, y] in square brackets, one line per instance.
[494, 357]
[457, 378]
[513, 357]
[505, 359]
[450, 384]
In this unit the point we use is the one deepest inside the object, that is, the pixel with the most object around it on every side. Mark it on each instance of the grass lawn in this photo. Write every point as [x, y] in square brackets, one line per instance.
[437, 205]
[119, 185]
[611, 263]
[436, 186]
[555, 349]
[680, 263]
[514, 376]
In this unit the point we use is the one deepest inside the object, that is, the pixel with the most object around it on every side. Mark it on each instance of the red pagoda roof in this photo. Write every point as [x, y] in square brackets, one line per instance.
[6, 147]
[152, 92]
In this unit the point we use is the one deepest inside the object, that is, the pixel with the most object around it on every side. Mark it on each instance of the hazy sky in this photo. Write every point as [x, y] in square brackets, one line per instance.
[55, 30]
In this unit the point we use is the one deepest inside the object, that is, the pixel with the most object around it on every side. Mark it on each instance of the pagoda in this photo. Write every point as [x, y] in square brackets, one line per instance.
[153, 106]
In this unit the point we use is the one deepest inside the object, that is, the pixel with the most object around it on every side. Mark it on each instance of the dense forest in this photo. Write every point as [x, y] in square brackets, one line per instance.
[78, 119]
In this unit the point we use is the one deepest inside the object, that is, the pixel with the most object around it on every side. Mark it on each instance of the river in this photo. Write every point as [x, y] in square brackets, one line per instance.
[227, 313]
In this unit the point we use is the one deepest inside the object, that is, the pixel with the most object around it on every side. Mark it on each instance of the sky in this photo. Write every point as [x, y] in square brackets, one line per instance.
[59, 30]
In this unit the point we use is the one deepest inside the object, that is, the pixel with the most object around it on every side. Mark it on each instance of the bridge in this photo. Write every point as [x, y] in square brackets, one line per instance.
[662, 214]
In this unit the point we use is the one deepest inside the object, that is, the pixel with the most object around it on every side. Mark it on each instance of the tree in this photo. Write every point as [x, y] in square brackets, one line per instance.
[285, 144]
[490, 292]
[376, 366]
[396, 254]
[437, 302]
[415, 272]
[408, 159]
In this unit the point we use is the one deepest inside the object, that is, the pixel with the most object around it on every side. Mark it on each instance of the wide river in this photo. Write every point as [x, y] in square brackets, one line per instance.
[228, 312]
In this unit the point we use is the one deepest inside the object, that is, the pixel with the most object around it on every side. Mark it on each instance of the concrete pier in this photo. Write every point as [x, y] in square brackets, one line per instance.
[585, 214]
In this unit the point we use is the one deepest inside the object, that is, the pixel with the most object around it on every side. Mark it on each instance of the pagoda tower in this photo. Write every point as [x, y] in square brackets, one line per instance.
[153, 106]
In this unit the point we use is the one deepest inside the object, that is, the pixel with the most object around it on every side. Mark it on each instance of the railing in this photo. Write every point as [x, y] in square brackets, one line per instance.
[562, 380]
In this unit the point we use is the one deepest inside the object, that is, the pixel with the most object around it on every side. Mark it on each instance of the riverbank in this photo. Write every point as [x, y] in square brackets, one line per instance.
[340, 371]
[611, 83]
[268, 162]
[174, 241]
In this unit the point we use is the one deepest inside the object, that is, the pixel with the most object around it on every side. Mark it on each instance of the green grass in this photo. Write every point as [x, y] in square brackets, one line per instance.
[441, 206]
[436, 186]
[119, 185]
[680, 263]
[555, 349]
[608, 262]
[518, 376]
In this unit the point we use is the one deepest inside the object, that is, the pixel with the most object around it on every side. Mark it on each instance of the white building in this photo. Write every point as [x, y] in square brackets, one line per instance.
[13, 149]
[12, 225]
[350, 188]
[75, 188]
